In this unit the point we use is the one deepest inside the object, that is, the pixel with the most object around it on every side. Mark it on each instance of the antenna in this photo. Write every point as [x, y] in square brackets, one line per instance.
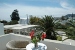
[27, 18]
[72, 17]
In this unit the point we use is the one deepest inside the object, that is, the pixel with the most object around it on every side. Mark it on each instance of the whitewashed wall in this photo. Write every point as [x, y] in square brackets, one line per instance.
[50, 45]
[19, 37]
[53, 46]
[3, 40]
[1, 29]
[23, 21]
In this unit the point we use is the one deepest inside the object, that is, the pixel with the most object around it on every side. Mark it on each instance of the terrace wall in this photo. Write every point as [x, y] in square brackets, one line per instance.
[53, 46]
[50, 45]
[3, 40]
[20, 37]
[1, 29]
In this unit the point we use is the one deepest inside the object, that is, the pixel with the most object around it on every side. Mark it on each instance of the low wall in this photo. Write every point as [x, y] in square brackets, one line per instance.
[3, 40]
[20, 37]
[50, 45]
[1, 29]
[53, 46]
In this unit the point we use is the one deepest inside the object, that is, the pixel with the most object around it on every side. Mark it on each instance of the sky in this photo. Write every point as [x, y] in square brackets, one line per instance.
[56, 8]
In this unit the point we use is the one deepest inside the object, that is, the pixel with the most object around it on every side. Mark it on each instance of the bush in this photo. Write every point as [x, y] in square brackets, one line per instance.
[60, 26]
[59, 38]
[70, 32]
[13, 22]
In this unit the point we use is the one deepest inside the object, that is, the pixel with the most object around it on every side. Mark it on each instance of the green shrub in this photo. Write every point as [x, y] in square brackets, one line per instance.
[59, 38]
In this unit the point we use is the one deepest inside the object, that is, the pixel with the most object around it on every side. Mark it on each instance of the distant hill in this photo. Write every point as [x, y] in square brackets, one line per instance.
[70, 15]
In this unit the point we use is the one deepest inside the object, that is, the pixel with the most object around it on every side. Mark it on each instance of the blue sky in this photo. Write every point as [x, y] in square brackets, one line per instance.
[42, 3]
[57, 8]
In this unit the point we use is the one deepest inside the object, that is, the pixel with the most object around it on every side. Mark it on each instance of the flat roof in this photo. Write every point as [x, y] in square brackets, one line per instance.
[18, 26]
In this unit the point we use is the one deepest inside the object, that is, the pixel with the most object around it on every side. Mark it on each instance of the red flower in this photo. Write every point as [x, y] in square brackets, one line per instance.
[42, 38]
[43, 35]
[32, 34]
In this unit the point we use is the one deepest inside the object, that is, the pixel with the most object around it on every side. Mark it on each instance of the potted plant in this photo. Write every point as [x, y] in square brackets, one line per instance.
[37, 38]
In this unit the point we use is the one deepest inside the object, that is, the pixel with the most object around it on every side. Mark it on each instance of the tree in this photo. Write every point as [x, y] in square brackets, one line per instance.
[48, 25]
[13, 22]
[63, 18]
[4, 22]
[34, 20]
[15, 15]
[60, 26]
[70, 32]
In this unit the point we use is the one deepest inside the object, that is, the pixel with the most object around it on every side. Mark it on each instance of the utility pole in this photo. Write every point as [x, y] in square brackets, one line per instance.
[27, 18]
[72, 17]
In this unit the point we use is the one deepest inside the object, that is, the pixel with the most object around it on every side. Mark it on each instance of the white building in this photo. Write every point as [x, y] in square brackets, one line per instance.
[23, 21]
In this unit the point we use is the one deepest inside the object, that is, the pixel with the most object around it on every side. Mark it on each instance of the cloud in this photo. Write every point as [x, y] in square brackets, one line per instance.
[7, 9]
[66, 5]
